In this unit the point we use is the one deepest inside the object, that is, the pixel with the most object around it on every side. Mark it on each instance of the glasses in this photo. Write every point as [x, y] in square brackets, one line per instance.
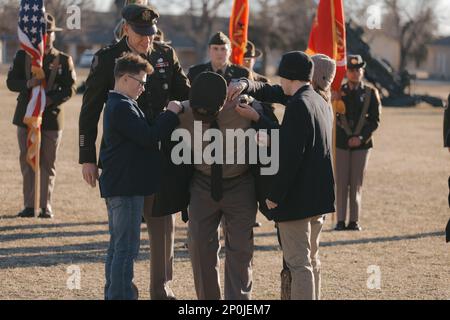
[141, 83]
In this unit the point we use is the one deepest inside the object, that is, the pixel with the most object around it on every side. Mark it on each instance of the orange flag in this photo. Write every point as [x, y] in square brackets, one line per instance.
[328, 36]
[239, 30]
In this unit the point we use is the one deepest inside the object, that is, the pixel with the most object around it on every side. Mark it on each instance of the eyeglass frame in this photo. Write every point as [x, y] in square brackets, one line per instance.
[141, 83]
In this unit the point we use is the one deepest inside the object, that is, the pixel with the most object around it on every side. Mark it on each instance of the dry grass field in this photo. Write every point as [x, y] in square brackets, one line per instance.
[404, 215]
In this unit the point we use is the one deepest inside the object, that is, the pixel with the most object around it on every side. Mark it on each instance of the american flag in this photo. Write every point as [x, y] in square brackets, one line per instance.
[32, 37]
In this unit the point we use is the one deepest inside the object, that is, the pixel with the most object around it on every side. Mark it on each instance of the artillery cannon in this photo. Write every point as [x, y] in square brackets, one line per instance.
[391, 85]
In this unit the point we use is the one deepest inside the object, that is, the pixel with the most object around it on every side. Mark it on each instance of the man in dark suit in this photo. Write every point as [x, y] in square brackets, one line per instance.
[302, 191]
[60, 79]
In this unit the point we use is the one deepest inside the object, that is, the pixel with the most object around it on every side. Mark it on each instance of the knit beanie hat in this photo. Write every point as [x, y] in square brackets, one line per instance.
[296, 65]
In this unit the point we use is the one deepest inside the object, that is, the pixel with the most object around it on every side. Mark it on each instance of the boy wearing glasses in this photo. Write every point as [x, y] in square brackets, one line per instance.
[131, 169]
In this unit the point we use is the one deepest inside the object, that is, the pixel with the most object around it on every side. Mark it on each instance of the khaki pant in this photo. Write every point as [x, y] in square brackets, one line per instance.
[300, 242]
[350, 171]
[238, 206]
[50, 141]
[161, 233]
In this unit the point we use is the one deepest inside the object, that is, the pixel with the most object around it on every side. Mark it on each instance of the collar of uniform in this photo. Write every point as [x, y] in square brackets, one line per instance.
[224, 69]
[361, 86]
[51, 52]
[134, 51]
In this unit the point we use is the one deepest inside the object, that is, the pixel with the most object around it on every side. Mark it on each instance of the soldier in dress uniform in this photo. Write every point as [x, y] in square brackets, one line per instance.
[219, 54]
[60, 79]
[355, 127]
[250, 56]
[447, 124]
[168, 82]
[220, 189]
[447, 145]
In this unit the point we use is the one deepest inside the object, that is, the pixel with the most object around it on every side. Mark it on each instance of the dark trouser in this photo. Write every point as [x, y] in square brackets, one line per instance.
[161, 233]
[50, 141]
[350, 170]
[238, 206]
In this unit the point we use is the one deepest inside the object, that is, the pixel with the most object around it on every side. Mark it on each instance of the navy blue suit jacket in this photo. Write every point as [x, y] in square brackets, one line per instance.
[130, 154]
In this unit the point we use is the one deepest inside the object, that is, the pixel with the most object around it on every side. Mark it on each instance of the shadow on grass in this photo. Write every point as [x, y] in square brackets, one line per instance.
[47, 256]
[95, 252]
[54, 225]
[51, 225]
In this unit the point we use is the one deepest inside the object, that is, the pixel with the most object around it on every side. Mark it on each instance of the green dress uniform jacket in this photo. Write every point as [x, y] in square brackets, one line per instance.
[63, 87]
[232, 71]
[447, 124]
[168, 82]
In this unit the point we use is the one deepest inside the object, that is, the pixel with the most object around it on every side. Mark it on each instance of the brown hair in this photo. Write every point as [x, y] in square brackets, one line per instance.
[131, 63]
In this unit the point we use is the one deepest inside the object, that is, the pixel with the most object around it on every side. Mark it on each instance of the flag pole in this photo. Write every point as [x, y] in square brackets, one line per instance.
[333, 215]
[37, 173]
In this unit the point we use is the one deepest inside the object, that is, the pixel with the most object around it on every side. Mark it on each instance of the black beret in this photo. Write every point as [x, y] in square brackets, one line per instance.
[207, 95]
[141, 18]
[296, 65]
[219, 39]
[355, 61]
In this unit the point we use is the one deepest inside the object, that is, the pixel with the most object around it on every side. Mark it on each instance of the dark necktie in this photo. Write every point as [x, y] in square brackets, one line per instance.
[216, 173]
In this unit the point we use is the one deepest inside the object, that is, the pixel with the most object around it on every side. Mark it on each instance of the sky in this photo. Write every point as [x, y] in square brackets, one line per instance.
[443, 12]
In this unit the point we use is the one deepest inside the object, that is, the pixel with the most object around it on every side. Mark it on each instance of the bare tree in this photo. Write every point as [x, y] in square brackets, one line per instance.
[414, 26]
[294, 23]
[261, 32]
[9, 11]
[281, 24]
[197, 20]
[202, 15]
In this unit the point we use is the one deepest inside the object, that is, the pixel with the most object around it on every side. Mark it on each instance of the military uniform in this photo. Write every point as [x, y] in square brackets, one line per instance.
[360, 119]
[447, 145]
[168, 82]
[230, 72]
[231, 195]
[60, 77]
[447, 124]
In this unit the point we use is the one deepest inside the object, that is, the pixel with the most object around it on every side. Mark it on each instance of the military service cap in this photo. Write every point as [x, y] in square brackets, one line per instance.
[219, 39]
[51, 23]
[141, 18]
[251, 51]
[355, 61]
